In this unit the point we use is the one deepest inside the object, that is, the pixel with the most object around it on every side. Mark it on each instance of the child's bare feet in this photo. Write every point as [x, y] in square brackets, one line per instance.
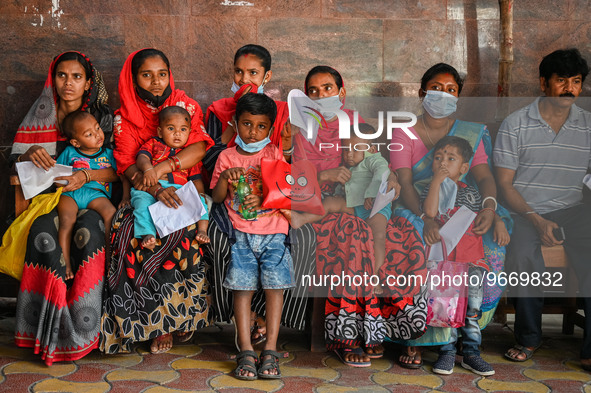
[149, 242]
[202, 237]
[69, 272]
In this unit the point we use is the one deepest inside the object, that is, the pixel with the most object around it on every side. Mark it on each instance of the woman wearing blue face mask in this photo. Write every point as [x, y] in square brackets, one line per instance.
[251, 73]
[440, 87]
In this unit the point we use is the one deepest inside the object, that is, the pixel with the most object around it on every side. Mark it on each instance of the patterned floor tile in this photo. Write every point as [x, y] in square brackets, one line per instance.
[503, 386]
[20, 382]
[541, 375]
[508, 372]
[193, 379]
[325, 374]
[129, 386]
[163, 389]
[298, 384]
[326, 388]
[308, 359]
[56, 370]
[224, 367]
[156, 362]
[426, 380]
[227, 381]
[121, 360]
[89, 373]
[58, 385]
[152, 376]
[459, 382]
[563, 386]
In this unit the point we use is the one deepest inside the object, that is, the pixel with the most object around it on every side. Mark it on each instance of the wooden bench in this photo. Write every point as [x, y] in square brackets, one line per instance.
[555, 259]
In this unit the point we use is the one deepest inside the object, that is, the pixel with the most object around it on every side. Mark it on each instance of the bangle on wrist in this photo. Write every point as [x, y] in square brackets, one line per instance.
[530, 212]
[491, 198]
[177, 162]
[487, 209]
[155, 194]
[150, 168]
[18, 159]
[86, 174]
[172, 164]
[289, 151]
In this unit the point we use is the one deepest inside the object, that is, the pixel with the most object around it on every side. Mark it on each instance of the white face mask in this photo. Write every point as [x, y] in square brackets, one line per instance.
[447, 195]
[439, 104]
[329, 105]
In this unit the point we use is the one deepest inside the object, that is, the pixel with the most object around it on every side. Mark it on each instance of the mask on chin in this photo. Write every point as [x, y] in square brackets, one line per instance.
[329, 105]
[155, 101]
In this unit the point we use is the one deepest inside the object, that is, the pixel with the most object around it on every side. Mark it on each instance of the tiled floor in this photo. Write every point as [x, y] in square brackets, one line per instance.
[205, 366]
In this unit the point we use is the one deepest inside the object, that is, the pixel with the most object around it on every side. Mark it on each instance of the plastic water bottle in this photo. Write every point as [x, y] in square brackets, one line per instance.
[243, 190]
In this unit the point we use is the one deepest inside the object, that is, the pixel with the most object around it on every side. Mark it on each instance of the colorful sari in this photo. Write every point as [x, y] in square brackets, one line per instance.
[495, 255]
[60, 321]
[151, 293]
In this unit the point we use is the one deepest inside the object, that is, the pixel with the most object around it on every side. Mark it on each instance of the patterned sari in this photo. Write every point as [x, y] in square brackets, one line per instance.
[495, 255]
[61, 321]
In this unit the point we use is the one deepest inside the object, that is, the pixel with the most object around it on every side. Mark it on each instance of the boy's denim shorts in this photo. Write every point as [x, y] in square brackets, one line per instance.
[259, 260]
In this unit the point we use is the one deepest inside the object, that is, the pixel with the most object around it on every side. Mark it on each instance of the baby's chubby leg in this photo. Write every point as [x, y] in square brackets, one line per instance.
[67, 210]
[105, 208]
[331, 204]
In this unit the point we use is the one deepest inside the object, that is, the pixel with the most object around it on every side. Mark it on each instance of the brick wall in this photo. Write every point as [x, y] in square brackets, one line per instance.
[381, 47]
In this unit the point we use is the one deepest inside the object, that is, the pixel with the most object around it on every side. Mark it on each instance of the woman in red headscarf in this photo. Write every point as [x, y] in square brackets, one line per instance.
[62, 322]
[152, 293]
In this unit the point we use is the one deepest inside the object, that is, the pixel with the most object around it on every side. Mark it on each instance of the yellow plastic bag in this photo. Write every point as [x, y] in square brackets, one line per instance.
[14, 241]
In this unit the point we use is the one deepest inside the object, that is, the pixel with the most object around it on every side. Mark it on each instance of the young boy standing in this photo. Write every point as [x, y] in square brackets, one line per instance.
[440, 200]
[260, 243]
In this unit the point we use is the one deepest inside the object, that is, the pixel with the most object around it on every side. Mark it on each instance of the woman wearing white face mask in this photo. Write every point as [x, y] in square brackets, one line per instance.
[440, 87]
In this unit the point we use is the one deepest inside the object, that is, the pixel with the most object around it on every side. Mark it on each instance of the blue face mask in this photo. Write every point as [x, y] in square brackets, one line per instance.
[260, 89]
[252, 147]
[447, 195]
[439, 104]
[328, 106]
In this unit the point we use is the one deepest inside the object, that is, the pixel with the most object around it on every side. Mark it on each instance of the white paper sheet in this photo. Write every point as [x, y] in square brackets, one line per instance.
[587, 181]
[452, 232]
[35, 180]
[383, 198]
[168, 220]
[302, 113]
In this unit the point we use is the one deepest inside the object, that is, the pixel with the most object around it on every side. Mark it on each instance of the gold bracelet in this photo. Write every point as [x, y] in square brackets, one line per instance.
[86, 174]
[18, 159]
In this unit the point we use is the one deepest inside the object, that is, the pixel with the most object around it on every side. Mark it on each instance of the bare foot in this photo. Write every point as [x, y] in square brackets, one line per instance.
[519, 354]
[161, 344]
[202, 237]
[69, 272]
[149, 242]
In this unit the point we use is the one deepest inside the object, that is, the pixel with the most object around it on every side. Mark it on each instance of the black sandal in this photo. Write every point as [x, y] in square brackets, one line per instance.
[245, 364]
[269, 364]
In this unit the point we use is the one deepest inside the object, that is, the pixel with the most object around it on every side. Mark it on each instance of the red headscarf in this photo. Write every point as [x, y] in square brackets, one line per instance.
[40, 126]
[137, 121]
[225, 108]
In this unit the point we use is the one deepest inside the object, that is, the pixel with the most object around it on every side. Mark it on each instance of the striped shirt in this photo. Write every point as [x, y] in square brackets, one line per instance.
[549, 167]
